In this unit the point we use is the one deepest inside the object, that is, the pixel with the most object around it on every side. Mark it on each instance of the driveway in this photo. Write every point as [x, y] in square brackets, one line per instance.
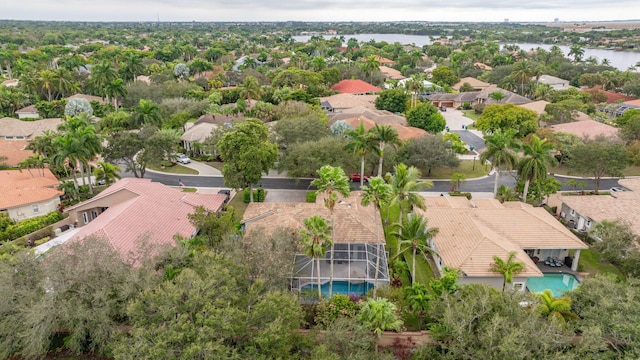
[471, 138]
[455, 119]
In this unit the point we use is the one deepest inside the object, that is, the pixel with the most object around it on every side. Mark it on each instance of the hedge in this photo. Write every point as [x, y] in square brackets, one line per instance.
[258, 195]
[311, 197]
[28, 226]
[458, 193]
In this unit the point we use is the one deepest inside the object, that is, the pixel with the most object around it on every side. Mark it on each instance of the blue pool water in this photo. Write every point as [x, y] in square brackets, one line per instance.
[557, 283]
[340, 287]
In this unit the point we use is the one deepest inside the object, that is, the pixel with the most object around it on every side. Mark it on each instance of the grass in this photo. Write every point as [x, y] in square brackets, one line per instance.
[471, 114]
[189, 189]
[239, 205]
[176, 169]
[591, 262]
[215, 164]
[466, 167]
[631, 170]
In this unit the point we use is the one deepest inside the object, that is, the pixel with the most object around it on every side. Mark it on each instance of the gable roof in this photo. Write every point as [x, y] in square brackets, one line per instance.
[14, 150]
[611, 95]
[634, 103]
[19, 188]
[143, 210]
[353, 223]
[382, 117]
[198, 132]
[509, 97]
[471, 233]
[391, 73]
[475, 83]
[586, 128]
[27, 110]
[27, 129]
[355, 86]
[537, 106]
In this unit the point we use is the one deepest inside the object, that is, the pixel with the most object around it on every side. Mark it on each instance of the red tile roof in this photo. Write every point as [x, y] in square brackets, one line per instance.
[20, 188]
[355, 87]
[611, 96]
[144, 213]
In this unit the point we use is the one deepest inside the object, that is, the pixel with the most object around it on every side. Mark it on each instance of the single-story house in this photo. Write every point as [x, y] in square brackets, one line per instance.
[10, 83]
[611, 96]
[197, 133]
[14, 129]
[404, 132]
[477, 85]
[12, 152]
[472, 232]
[384, 61]
[355, 86]
[340, 102]
[476, 97]
[28, 193]
[382, 117]
[391, 73]
[584, 211]
[135, 213]
[482, 66]
[540, 106]
[358, 238]
[28, 112]
[587, 128]
[556, 83]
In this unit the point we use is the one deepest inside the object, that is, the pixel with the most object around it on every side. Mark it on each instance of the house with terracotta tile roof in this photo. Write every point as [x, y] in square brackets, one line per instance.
[472, 232]
[15, 129]
[358, 237]
[135, 212]
[12, 152]
[28, 112]
[391, 73]
[382, 117]
[587, 129]
[477, 85]
[611, 96]
[355, 86]
[340, 102]
[404, 132]
[384, 61]
[584, 211]
[28, 193]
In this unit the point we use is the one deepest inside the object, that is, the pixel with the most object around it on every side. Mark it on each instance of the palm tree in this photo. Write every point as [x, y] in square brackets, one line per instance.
[414, 232]
[102, 74]
[555, 308]
[507, 268]
[415, 84]
[107, 172]
[370, 65]
[250, 89]
[404, 183]
[43, 144]
[456, 180]
[384, 135]
[45, 81]
[577, 51]
[114, 90]
[147, 113]
[534, 165]
[522, 74]
[379, 315]
[315, 240]
[377, 192]
[131, 66]
[331, 181]
[360, 144]
[498, 96]
[500, 151]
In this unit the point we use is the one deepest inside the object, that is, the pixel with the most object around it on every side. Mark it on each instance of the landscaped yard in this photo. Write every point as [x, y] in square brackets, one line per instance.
[466, 167]
[176, 169]
[591, 262]
[471, 114]
[631, 170]
[239, 205]
[215, 164]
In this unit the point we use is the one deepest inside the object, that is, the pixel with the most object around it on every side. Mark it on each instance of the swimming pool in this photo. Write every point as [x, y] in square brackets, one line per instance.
[557, 283]
[340, 287]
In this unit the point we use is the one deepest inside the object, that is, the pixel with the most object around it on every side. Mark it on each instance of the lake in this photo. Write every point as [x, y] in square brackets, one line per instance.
[621, 60]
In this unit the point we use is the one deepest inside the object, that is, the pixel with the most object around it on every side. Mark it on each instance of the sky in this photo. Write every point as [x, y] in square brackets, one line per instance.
[326, 10]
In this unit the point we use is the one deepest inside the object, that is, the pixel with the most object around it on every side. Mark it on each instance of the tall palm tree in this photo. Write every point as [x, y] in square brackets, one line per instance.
[555, 308]
[414, 232]
[507, 268]
[315, 241]
[46, 80]
[102, 74]
[370, 65]
[250, 89]
[404, 183]
[147, 113]
[534, 165]
[114, 90]
[131, 66]
[384, 135]
[43, 144]
[377, 192]
[577, 51]
[500, 150]
[331, 181]
[107, 172]
[522, 73]
[360, 144]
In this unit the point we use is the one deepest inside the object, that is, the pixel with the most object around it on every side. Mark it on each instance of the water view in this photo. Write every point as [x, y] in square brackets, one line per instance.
[622, 60]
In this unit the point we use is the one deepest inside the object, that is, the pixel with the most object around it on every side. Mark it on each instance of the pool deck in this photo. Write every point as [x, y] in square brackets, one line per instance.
[546, 269]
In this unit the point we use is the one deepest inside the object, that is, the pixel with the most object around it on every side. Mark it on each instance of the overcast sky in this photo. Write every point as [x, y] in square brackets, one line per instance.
[326, 10]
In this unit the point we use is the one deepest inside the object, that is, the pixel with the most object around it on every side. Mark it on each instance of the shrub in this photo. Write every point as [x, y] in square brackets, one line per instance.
[258, 195]
[28, 226]
[339, 306]
[478, 108]
[458, 193]
[311, 197]
[466, 105]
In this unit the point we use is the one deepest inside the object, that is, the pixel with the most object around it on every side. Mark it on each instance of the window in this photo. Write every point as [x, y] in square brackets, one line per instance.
[85, 217]
[35, 208]
[518, 286]
[94, 214]
[588, 223]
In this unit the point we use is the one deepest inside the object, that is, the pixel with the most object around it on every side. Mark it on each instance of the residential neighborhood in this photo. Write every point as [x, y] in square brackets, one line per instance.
[286, 190]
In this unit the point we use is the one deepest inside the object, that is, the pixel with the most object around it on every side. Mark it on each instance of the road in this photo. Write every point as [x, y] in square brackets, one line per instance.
[471, 139]
[474, 185]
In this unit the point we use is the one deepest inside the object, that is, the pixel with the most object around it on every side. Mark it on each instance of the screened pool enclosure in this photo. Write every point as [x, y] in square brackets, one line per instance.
[354, 270]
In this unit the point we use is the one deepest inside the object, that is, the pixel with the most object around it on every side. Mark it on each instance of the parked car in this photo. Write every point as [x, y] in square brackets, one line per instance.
[443, 108]
[183, 159]
[355, 177]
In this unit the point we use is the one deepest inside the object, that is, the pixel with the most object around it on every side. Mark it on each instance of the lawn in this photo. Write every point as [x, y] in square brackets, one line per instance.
[176, 169]
[590, 262]
[471, 114]
[466, 167]
[189, 189]
[215, 164]
[239, 205]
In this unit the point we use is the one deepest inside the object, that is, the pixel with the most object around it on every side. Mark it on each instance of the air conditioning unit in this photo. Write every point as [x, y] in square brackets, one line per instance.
[562, 214]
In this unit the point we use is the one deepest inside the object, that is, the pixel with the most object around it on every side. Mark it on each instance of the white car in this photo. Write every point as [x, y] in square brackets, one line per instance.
[183, 159]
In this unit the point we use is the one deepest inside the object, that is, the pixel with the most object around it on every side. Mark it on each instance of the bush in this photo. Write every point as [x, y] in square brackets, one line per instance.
[478, 108]
[458, 193]
[258, 195]
[339, 306]
[311, 197]
[28, 226]
[466, 105]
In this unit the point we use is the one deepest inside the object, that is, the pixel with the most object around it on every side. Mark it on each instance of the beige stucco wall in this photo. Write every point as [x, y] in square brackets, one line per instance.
[26, 211]
[75, 214]
[495, 281]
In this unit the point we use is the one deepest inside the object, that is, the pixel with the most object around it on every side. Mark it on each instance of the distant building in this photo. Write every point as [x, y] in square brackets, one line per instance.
[28, 193]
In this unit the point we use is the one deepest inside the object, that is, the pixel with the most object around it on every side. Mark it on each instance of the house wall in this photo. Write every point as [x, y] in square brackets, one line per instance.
[494, 281]
[28, 211]
[28, 115]
[76, 214]
[574, 219]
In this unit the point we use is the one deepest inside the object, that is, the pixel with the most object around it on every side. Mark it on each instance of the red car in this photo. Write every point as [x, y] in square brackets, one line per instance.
[355, 177]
